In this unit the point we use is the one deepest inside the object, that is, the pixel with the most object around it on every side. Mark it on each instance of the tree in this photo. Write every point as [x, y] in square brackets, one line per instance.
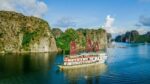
[64, 40]
[72, 34]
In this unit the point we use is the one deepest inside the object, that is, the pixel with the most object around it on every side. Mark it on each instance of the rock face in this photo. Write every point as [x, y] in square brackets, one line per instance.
[96, 35]
[57, 32]
[133, 37]
[81, 37]
[19, 33]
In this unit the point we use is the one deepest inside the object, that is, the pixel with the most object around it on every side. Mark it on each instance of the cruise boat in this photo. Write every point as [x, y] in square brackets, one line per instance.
[92, 56]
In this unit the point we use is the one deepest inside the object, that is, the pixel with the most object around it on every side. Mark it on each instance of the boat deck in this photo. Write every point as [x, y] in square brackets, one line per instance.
[78, 66]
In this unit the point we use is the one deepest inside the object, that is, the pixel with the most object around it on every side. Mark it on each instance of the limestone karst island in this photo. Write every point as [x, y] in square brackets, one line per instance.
[20, 33]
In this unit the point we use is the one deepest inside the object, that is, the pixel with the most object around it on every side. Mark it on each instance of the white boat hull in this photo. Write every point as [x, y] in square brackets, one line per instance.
[78, 66]
[81, 65]
[83, 60]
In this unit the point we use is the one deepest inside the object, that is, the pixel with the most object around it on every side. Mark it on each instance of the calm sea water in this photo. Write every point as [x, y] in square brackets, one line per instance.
[127, 65]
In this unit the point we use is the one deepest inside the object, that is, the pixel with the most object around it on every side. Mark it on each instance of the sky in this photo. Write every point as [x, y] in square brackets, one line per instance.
[116, 16]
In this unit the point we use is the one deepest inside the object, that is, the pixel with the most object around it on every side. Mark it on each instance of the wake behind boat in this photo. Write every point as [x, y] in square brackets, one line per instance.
[93, 56]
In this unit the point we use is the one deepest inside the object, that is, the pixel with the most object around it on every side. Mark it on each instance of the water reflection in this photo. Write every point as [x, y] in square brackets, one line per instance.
[124, 66]
[25, 67]
[86, 73]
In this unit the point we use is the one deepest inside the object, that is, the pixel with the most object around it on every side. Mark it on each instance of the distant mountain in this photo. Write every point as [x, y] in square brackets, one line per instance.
[19, 33]
[133, 37]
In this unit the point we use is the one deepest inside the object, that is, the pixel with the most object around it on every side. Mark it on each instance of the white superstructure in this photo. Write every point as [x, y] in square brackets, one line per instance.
[84, 59]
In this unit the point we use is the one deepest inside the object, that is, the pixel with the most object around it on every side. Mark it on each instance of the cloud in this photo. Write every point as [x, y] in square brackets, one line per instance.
[144, 21]
[142, 30]
[109, 21]
[65, 22]
[28, 7]
[108, 24]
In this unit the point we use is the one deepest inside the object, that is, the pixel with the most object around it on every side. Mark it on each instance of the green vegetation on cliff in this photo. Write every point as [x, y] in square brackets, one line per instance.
[80, 35]
[64, 40]
[19, 33]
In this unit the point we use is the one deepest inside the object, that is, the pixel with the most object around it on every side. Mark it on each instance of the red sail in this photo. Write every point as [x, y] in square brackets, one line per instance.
[89, 45]
[72, 48]
[96, 46]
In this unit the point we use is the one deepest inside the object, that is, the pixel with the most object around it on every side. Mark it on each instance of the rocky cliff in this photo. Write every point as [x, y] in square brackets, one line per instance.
[19, 33]
[133, 37]
[80, 36]
[96, 35]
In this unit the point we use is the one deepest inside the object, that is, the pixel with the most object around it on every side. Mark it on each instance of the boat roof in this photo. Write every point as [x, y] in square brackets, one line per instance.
[86, 54]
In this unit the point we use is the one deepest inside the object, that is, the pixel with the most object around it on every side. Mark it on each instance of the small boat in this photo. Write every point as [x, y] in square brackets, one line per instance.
[93, 57]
